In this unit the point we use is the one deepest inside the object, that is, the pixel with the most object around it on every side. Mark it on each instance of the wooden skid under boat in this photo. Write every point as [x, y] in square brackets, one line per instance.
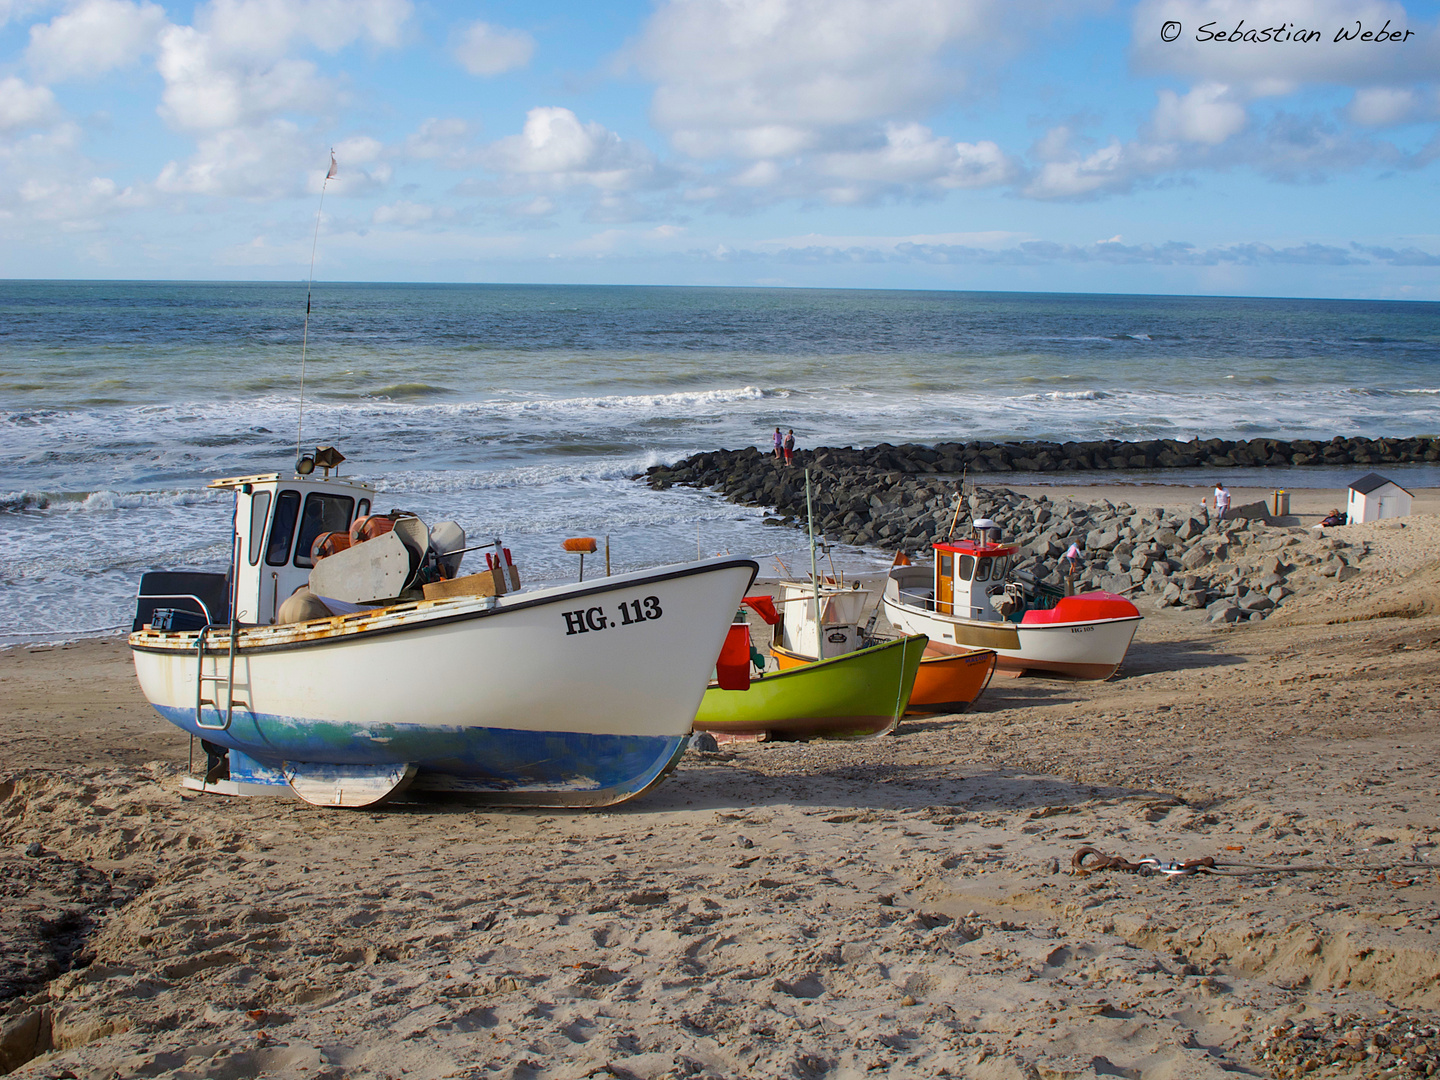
[855, 696]
[945, 682]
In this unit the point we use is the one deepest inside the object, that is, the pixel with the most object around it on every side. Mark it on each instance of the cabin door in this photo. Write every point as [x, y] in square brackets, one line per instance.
[945, 583]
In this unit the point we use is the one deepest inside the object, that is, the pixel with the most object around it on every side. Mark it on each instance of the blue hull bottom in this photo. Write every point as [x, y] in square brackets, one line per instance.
[538, 768]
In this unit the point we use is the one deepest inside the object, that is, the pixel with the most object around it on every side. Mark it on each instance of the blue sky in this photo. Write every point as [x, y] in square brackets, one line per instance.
[1059, 145]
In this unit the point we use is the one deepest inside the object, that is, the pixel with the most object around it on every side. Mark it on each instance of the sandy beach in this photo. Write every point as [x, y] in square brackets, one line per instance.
[902, 907]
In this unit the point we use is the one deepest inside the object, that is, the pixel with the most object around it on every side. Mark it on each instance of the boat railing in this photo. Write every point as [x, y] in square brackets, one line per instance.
[914, 599]
[204, 607]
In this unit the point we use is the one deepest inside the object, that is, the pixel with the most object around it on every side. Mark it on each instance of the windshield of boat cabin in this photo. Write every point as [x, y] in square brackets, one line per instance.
[282, 528]
[259, 511]
[323, 513]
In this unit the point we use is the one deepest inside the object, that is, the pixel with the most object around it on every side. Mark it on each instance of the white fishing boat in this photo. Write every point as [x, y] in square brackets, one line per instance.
[573, 695]
[970, 599]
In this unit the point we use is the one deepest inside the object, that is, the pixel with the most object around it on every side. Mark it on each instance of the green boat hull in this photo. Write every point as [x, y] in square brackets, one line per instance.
[855, 696]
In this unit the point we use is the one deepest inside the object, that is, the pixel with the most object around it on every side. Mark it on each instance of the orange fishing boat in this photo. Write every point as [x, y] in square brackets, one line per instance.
[945, 683]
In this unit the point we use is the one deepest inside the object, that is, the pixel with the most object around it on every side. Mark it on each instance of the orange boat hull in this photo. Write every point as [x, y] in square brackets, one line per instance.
[945, 683]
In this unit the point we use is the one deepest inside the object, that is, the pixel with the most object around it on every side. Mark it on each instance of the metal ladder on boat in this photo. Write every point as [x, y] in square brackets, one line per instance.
[228, 680]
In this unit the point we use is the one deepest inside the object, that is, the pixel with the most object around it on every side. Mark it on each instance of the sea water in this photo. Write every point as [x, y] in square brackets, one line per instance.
[524, 412]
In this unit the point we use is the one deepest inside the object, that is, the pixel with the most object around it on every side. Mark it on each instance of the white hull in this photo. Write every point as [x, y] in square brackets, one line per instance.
[1086, 649]
[581, 692]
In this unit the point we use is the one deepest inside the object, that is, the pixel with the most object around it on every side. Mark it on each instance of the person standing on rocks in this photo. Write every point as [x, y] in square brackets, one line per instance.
[779, 444]
[1072, 557]
[1222, 501]
[790, 447]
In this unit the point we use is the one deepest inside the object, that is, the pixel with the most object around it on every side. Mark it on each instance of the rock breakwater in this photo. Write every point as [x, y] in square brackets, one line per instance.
[904, 498]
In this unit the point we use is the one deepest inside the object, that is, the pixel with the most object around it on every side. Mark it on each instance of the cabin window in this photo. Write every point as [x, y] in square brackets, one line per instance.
[966, 567]
[947, 564]
[259, 510]
[363, 508]
[323, 513]
[982, 569]
[1000, 569]
[282, 528]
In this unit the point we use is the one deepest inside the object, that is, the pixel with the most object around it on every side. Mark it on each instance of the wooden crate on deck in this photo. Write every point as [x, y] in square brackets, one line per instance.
[495, 582]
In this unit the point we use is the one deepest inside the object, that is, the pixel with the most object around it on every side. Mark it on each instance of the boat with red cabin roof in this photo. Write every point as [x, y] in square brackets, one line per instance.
[970, 598]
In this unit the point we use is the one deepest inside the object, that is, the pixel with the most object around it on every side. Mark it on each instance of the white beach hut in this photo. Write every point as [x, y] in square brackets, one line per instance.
[1373, 497]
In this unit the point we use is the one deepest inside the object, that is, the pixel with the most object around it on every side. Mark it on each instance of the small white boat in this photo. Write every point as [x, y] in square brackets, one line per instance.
[576, 695]
[968, 599]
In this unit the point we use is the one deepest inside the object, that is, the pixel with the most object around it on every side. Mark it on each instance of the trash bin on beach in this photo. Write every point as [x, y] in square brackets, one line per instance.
[1282, 503]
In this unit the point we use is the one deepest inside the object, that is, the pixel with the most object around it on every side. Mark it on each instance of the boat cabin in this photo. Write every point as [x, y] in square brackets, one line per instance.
[968, 573]
[835, 633]
[276, 524]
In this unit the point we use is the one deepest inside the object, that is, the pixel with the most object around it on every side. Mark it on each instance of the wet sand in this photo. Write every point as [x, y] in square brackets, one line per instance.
[899, 907]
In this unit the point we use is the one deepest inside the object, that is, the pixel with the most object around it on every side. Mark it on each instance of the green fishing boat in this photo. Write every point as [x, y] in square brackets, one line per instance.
[855, 696]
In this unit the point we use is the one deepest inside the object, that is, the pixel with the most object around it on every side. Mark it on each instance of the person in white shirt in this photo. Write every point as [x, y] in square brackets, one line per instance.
[1222, 501]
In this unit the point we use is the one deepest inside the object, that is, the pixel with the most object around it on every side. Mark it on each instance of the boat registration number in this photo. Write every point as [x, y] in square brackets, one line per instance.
[631, 613]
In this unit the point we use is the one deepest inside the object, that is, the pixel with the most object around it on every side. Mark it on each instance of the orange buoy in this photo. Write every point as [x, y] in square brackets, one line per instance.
[585, 545]
[328, 544]
[371, 526]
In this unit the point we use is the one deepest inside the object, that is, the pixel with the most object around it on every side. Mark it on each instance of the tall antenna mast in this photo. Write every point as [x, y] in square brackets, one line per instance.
[305, 335]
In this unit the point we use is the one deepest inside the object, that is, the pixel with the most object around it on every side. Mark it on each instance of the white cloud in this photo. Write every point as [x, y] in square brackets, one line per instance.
[18, 9]
[246, 162]
[77, 204]
[1001, 249]
[445, 141]
[94, 37]
[231, 67]
[538, 207]
[47, 186]
[756, 78]
[808, 99]
[358, 149]
[266, 29]
[484, 49]
[1070, 173]
[759, 174]
[1383, 106]
[912, 154]
[989, 239]
[25, 106]
[556, 148]
[206, 92]
[405, 214]
[1310, 149]
[1204, 115]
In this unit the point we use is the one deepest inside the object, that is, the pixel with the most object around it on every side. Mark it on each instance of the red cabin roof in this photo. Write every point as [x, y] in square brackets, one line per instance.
[980, 551]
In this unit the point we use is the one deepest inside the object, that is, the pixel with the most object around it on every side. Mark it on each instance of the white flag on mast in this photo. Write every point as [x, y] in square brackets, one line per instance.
[334, 168]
